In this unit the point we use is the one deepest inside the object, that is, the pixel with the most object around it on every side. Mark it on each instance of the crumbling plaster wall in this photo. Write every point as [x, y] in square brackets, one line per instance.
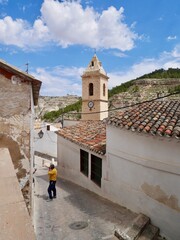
[15, 117]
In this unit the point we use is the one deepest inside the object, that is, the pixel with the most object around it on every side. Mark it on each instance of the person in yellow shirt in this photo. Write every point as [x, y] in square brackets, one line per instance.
[52, 173]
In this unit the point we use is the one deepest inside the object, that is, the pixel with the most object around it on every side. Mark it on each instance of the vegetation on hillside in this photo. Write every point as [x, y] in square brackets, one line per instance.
[161, 73]
[124, 87]
[175, 89]
[51, 116]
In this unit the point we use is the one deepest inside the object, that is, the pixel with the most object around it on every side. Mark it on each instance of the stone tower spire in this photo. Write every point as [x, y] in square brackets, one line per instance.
[94, 91]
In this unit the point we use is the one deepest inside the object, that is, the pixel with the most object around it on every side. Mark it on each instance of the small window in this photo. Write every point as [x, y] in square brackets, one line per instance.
[104, 89]
[96, 170]
[84, 162]
[92, 64]
[91, 89]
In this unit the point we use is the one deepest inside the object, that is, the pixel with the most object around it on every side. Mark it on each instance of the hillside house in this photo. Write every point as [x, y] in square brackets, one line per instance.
[132, 158]
[19, 93]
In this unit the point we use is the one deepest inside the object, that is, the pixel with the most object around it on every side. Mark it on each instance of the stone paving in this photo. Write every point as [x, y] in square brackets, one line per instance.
[15, 222]
[76, 213]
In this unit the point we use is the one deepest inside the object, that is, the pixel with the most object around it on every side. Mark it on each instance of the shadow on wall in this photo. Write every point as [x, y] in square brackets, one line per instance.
[16, 157]
[14, 150]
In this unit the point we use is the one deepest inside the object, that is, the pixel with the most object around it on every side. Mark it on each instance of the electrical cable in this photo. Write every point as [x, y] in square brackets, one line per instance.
[129, 106]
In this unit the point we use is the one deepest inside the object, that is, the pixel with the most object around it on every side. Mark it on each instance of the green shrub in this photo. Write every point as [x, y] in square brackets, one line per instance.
[161, 73]
[121, 88]
[51, 116]
[175, 89]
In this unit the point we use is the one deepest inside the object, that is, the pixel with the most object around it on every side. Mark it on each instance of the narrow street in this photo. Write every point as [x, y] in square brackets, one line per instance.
[76, 213]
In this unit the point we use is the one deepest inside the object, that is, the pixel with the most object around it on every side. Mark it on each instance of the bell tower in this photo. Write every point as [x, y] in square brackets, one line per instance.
[94, 91]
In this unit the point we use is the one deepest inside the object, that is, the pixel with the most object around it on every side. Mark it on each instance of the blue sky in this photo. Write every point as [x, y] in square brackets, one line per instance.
[59, 38]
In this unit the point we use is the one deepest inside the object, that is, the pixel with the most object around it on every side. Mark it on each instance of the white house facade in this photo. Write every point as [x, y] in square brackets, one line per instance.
[140, 161]
[144, 175]
[45, 140]
[144, 165]
[81, 156]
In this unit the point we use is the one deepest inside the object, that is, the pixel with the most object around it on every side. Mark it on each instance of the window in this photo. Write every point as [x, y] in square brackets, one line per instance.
[96, 169]
[92, 64]
[84, 162]
[91, 89]
[104, 89]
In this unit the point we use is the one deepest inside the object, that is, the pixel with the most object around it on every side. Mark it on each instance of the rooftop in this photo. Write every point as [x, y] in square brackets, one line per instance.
[11, 71]
[87, 134]
[157, 118]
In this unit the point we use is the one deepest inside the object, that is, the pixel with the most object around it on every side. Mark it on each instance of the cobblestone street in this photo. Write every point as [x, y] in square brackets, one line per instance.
[76, 213]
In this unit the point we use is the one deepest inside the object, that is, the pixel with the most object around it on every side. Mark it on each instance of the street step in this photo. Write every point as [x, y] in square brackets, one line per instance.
[150, 233]
[135, 230]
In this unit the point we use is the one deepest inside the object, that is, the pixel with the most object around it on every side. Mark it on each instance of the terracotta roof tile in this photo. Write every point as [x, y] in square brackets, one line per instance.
[88, 134]
[158, 118]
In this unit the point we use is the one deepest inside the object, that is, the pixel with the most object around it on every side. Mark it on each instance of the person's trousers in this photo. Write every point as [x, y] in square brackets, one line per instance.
[52, 189]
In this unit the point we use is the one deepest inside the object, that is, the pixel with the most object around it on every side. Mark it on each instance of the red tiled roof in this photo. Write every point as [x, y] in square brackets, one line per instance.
[157, 118]
[88, 134]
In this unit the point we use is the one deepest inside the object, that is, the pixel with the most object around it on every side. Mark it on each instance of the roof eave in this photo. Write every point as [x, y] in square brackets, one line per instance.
[36, 84]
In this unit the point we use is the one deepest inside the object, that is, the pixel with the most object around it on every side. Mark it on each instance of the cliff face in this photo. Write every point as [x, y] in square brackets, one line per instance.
[145, 89]
[47, 104]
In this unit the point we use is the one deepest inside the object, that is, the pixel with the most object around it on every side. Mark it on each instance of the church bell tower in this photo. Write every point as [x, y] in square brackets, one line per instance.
[94, 91]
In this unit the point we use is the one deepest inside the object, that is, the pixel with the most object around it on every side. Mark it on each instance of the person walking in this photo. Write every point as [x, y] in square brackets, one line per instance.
[52, 173]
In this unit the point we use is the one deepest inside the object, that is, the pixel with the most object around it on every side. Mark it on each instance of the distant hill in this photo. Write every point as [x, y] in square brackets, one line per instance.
[159, 83]
[171, 73]
[54, 106]
[161, 73]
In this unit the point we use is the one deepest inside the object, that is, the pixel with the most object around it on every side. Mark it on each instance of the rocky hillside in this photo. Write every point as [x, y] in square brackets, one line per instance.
[132, 92]
[48, 104]
[146, 89]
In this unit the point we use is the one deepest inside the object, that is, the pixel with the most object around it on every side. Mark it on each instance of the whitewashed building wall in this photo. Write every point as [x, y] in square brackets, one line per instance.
[69, 165]
[140, 172]
[143, 174]
[47, 144]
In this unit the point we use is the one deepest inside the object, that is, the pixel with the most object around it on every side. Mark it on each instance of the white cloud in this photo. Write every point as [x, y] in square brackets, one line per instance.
[68, 23]
[19, 33]
[119, 54]
[176, 51]
[165, 60]
[3, 2]
[60, 81]
[136, 70]
[169, 38]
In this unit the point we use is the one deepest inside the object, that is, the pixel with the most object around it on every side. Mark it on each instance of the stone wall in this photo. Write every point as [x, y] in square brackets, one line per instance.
[15, 117]
[15, 222]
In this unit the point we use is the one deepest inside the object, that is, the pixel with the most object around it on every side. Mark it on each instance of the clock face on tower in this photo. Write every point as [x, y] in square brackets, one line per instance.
[90, 104]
